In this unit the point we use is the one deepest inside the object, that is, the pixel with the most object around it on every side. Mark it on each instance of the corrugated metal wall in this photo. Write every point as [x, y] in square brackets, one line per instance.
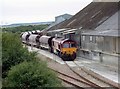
[99, 43]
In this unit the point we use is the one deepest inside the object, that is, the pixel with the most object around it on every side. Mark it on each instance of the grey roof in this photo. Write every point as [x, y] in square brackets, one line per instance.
[58, 30]
[113, 33]
[63, 31]
[69, 31]
[111, 23]
[90, 17]
[64, 15]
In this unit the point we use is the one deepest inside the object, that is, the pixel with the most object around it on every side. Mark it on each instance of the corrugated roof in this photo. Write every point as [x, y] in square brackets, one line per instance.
[69, 31]
[111, 23]
[58, 30]
[113, 33]
[90, 17]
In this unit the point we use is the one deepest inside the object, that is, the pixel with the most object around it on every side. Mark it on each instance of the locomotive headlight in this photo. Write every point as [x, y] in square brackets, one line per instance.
[72, 52]
[64, 51]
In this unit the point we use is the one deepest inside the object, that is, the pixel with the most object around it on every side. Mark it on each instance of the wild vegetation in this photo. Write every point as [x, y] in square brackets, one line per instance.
[20, 29]
[21, 68]
[0, 58]
[31, 75]
[0, 48]
[12, 52]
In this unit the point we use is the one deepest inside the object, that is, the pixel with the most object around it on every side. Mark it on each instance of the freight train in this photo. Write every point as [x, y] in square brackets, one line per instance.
[64, 48]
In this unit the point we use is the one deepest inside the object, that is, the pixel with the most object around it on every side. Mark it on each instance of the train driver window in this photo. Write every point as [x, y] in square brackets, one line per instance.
[65, 45]
[72, 45]
[53, 43]
[59, 46]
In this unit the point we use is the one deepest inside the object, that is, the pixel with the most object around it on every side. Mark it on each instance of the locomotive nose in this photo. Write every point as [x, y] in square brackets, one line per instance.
[70, 52]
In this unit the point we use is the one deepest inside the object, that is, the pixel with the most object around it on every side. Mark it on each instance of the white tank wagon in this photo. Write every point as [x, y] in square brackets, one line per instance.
[33, 40]
[33, 32]
[29, 32]
[24, 37]
[38, 31]
[44, 41]
[21, 34]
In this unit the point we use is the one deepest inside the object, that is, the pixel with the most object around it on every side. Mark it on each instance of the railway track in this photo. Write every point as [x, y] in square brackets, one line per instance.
[85, 78]
[91, 79]
[78, 83]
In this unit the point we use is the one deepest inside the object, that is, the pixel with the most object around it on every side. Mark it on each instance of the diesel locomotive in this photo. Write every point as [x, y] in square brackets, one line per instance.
[64, 48]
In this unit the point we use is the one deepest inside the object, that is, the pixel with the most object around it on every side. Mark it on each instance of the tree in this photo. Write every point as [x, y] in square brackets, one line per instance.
[21, 68]
[32, 74]
[13, 52]
[0, 58]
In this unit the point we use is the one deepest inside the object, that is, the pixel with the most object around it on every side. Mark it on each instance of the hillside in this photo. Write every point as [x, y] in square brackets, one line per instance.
[20, 29]
[27, 24]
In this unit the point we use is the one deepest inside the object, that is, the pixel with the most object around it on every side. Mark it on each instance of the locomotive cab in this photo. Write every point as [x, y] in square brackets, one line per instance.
[65, 48]
[69, 47]
[69, 50]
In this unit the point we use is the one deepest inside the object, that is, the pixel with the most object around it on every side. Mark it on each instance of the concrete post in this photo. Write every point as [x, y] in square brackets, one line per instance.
[31, 46]
[101, 57]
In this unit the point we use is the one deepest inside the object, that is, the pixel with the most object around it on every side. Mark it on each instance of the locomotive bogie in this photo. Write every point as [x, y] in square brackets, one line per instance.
[68, 57]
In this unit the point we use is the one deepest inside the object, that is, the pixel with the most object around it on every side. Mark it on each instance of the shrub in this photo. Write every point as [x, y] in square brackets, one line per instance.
[20, 68]
[13, 52]
[32, 75]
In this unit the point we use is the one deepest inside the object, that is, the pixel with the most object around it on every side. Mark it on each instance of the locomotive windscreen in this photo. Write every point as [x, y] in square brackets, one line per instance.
[69, 44]
[66, 45]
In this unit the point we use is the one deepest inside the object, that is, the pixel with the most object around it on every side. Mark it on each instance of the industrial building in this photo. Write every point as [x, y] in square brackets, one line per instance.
[96, 31]
[59, 19]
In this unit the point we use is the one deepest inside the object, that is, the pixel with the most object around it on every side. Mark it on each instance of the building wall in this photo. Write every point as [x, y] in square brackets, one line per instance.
[102, 49]
[99, 43]
[107, 44]
[61, 18]
[117, 45]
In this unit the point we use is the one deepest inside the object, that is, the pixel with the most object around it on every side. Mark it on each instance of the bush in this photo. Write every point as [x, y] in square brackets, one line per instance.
[20, 68]
[0, 67]
[31, 75]
[13, 52]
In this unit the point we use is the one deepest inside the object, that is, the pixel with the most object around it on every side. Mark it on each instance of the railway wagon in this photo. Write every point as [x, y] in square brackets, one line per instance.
[33, 40]
[24, 37]
[36, 32]
[46, 42]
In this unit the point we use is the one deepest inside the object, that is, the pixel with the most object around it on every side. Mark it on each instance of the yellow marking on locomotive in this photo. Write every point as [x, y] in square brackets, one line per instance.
[68, 50]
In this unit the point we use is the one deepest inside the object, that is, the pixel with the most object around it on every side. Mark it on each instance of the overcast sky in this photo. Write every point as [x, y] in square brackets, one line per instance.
[20, 11]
